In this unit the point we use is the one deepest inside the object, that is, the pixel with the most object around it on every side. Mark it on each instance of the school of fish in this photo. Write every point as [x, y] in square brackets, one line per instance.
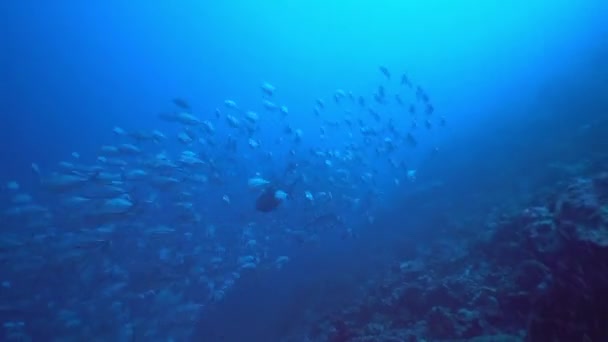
[134, 243]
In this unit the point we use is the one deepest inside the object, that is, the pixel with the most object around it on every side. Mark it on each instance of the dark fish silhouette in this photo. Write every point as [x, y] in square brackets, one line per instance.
[268, 201]
[421, 95]
[385, 72]
[361, 101]
[405, 80]
[181, 103]
[411, 140]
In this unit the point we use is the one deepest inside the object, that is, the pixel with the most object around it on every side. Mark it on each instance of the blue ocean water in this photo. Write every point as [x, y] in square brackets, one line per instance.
[396, 130]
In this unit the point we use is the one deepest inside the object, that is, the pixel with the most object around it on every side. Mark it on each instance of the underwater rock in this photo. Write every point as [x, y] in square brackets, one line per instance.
[440, 323]
[540, 274]
[579, 203]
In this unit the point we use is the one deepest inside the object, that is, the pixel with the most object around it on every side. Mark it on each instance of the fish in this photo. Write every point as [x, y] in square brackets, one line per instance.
[411, 140]
[421, 95]
[12, 185]
[324, 221]
[270, 199]
[57, 182]
[268, 89]
[141, 136]
[405, 81]
[269, 105]
[361, 101]
[398, 99]
[385, 72]
[412, 109]
[257, 182]
[181, 103]
[231, 104]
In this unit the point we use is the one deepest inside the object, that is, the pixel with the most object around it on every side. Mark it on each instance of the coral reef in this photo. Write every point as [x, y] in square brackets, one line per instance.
[538, 275]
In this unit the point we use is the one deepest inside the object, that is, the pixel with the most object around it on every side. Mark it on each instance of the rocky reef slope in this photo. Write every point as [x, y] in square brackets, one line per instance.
[538, 275]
